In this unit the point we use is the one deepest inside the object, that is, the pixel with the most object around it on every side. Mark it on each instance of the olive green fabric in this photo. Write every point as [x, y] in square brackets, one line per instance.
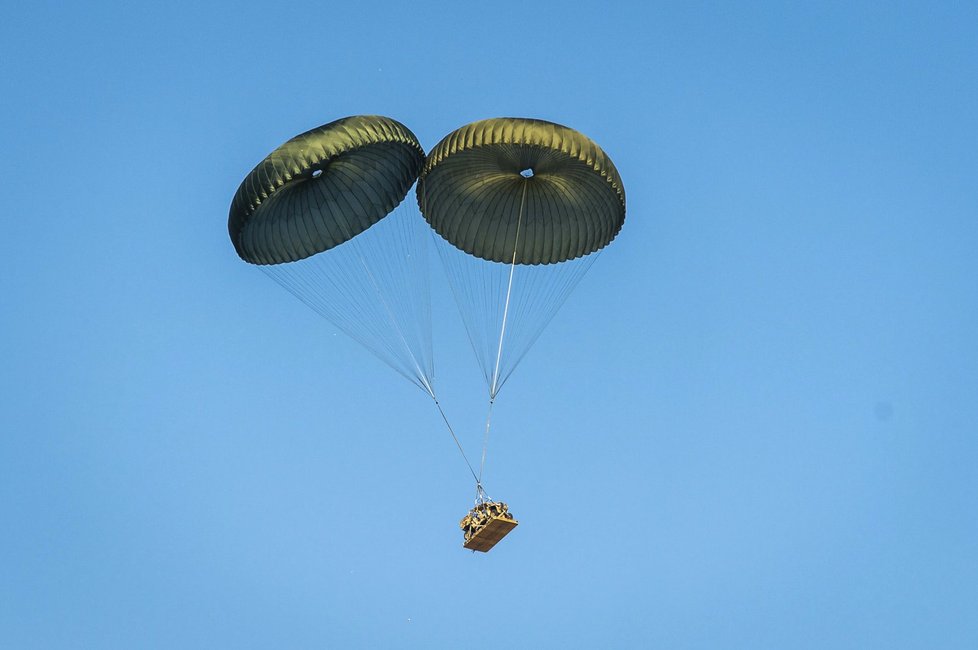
[475, 180]
[322, 188]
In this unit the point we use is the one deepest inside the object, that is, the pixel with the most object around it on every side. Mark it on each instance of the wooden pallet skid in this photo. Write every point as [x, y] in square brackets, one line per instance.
[490, 534]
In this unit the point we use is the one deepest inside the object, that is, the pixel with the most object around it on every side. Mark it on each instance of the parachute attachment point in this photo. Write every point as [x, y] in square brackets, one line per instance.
[486, 524]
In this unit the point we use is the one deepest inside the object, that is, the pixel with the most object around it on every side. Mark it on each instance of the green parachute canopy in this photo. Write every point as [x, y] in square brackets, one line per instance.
[493, 182]
[320, 216]
[322, 188]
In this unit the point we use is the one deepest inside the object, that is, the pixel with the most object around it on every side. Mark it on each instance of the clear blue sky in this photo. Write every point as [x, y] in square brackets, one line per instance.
[754, 425]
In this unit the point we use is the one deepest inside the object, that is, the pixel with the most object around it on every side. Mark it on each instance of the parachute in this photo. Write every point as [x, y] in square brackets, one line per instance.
[522, 207]
[508, 193]
[318, 215]
[518, 210]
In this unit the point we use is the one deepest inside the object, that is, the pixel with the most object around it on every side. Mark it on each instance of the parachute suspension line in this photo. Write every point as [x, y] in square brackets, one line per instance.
[481, 496]
[441, 411]
[558, 291]
[393, 321]
[353, 241]
[299, 288]
[307, 280]
[457, 443]
[463, 294]
[494, 387]
[485, 444]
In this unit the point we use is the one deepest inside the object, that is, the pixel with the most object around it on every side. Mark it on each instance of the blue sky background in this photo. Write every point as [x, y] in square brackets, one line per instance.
[754, 424]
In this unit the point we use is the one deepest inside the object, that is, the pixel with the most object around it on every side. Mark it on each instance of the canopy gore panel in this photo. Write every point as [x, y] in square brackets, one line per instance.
[486, 524]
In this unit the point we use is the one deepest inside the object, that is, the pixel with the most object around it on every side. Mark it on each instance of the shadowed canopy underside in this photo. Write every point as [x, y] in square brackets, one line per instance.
[495, 180]
[322, 188]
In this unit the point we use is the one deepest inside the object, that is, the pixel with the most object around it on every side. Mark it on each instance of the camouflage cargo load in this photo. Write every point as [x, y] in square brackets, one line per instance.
[486, 524]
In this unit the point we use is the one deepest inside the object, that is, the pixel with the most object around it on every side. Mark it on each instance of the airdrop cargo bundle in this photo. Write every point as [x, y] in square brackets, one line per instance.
[486, 524]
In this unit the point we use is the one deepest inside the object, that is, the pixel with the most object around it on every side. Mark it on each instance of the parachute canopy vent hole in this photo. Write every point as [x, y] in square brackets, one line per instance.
[316, 173]
[527, 173]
